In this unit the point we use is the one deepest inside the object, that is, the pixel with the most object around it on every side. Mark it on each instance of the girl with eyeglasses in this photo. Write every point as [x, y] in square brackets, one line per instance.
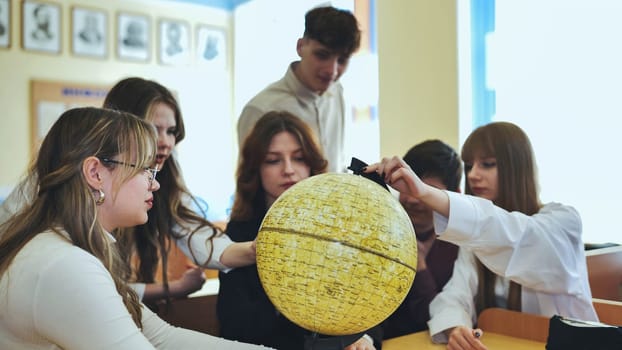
[172, 221]
[62, 279]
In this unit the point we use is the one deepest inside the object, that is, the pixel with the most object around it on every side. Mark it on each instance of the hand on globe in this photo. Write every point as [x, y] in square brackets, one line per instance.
[401, 177]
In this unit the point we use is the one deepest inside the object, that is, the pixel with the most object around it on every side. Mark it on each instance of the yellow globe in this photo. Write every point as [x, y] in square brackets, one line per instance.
[336, 254]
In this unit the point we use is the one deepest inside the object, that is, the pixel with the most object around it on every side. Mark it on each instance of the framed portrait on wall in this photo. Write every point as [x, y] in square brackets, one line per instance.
[211, 46]
[133, 37]
[174, 42]
[41, 23]
[89, 32]
[5, 23]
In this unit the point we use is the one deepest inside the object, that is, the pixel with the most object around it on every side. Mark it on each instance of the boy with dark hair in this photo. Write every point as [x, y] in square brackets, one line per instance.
[333, 28]
[310, 88]
[438, 165]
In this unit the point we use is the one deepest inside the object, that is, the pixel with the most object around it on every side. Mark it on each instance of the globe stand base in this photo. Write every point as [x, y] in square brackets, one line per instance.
[316, 342]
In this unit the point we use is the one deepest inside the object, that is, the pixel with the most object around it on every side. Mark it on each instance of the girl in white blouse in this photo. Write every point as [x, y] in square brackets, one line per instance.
[514, 251]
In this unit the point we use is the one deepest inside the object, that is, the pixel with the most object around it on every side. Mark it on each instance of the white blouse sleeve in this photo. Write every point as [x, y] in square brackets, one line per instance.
[78, 307]
[454, 305]
[197, 248]
[514, 245]
[201, 246]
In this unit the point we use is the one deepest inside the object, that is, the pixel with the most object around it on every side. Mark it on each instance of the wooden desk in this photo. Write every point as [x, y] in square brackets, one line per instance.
[608, 311]
[422, 341]
[514, 324]
[198, 313]
[604, 271]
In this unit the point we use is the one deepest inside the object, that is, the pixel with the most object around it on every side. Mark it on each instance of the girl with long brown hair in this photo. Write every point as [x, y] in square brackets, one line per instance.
[280, 151]
[515, 252]
[173, 219]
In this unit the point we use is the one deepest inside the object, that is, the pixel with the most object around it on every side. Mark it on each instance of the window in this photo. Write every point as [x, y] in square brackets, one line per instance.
[554, 68]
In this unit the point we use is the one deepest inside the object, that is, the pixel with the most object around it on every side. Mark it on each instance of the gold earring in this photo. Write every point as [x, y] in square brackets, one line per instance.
[101, 198]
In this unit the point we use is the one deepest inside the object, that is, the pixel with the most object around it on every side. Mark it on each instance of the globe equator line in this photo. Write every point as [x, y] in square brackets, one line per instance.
[291, 232]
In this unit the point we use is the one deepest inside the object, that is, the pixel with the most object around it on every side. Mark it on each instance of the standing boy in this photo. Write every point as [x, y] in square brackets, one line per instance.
[310, 88]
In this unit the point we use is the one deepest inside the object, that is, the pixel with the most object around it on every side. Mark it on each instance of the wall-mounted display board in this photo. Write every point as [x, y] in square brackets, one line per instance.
[49, 99]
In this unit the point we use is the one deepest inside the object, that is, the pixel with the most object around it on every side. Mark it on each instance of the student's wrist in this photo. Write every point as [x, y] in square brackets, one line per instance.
[174, 288]
[448, 331]
[238, 254]
[251, 251]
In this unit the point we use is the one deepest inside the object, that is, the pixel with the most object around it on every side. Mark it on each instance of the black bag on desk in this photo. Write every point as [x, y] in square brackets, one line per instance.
[570, 334]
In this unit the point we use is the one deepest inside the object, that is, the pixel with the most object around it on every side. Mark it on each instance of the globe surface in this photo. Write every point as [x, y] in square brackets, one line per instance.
[336, 254]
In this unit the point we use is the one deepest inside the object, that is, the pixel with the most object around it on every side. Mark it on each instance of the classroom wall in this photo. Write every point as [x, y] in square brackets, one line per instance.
[205, 95]
[417, 73]
[417, 59]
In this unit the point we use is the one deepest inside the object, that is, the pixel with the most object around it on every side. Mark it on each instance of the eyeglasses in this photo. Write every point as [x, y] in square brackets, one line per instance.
[152, 171]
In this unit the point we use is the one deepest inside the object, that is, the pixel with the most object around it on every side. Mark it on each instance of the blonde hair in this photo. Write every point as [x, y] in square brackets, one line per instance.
[78, 134]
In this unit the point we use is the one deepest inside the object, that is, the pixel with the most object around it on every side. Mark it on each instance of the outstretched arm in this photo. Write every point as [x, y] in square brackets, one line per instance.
[239, 254]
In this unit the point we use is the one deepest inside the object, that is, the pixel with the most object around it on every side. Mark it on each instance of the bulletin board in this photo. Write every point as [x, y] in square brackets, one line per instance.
[49, 99]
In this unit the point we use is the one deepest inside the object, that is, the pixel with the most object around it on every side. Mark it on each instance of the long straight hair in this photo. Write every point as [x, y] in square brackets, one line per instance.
[80, 133]
[516, 166]
[517, 188]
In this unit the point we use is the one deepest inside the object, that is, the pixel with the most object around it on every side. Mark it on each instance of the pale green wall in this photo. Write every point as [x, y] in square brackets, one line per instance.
[417, 57]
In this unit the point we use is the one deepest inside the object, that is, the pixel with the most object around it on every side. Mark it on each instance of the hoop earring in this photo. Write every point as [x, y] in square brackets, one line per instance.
[101, 198]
